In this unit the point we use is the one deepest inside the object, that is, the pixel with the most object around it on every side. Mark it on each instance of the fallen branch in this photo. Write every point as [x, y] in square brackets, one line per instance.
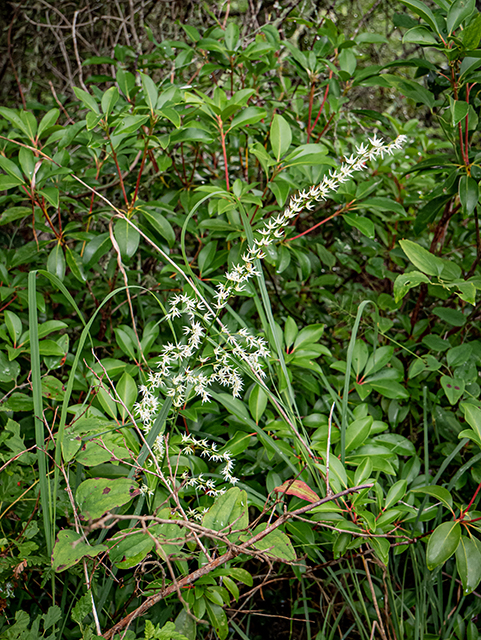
[234, 551]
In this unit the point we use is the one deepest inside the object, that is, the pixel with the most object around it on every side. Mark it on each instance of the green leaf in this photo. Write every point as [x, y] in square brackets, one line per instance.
[11, 168]
[128, 549]
[440, 493]
[280, 136]
[453, 388]
[151, 93]
[69, 549]
[109, 100]
[420, 35]
[411, 89]
[453, 317]
[250, 115]
[468, 194]
[218, 619]
[459, 110]
[458, 12]
[365, 226]
[443, 542]
[231, 36]
[357, 432]
[309, 335]
[468, 563]
[228, 511]
[395, 493]
[276, 544]
[14, 325]
[8, 182]
[423, 11]
[75, 264]
[472, 34]
[87, 100]
[96, 496]
[56, 262]
[422, 258]
[472, 415]
[160, 224]
[257, 403]
[48, 120]
[127, 238]
[127, 391]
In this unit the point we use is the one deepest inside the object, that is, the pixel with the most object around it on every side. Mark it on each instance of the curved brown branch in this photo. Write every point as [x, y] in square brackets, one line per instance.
[217, 562]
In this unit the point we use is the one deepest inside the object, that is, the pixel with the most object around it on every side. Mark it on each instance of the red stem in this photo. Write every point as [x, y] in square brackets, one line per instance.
[141, 168]
[326, 93]
[311, 100]
[314, 227]
[222, 138]
[463, 513]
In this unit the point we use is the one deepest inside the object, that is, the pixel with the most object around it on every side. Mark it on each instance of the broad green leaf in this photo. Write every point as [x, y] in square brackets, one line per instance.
[257, 403]
[128, 549]
[423, 11]
[109, 100]
[453, 317]
[468, 194]
[14, 325]
[218, 619]
[11, 168]
[88, 100]
[439, 493]
[96, 496]
[229, 511]
[127, 238]
[458, 12]
[280, 136]
[422, 258]
[290, 332]
[160, 224]
[472, 34]
[468, 563]
[472, 415]
[276, 544]
[299, 489]
[48, 120]
[364, 225]
[459, 110]
[420, 35]
[75, 264]
[411, 89]
[151, 93]
[231, 36]
[70, 548]
[56, 262]
[250, 115]
[395, 493]
[453, 388]
[357, 432]
[309, 335]
[107, 403]
[406, 281]
[127, 391]
[443, 542]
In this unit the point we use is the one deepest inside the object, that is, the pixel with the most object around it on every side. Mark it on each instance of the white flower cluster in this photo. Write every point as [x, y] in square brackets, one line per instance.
[180, 384]
[274, 228]
[208, 450]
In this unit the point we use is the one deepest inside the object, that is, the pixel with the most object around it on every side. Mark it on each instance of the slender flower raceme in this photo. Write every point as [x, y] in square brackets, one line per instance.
[274, 229]
[188, 368]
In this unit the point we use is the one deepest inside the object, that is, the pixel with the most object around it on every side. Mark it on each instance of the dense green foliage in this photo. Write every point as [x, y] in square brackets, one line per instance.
[172, 501]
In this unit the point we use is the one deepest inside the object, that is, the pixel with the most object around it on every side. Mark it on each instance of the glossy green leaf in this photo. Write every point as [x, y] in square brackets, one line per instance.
[127, 238]
[468, 563]
[442, 543]
[127, 391]
[280, 136]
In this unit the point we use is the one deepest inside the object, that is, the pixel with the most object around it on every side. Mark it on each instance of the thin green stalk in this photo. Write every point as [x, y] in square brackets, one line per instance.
[44, 482]
[347, 377]
[426, 437]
